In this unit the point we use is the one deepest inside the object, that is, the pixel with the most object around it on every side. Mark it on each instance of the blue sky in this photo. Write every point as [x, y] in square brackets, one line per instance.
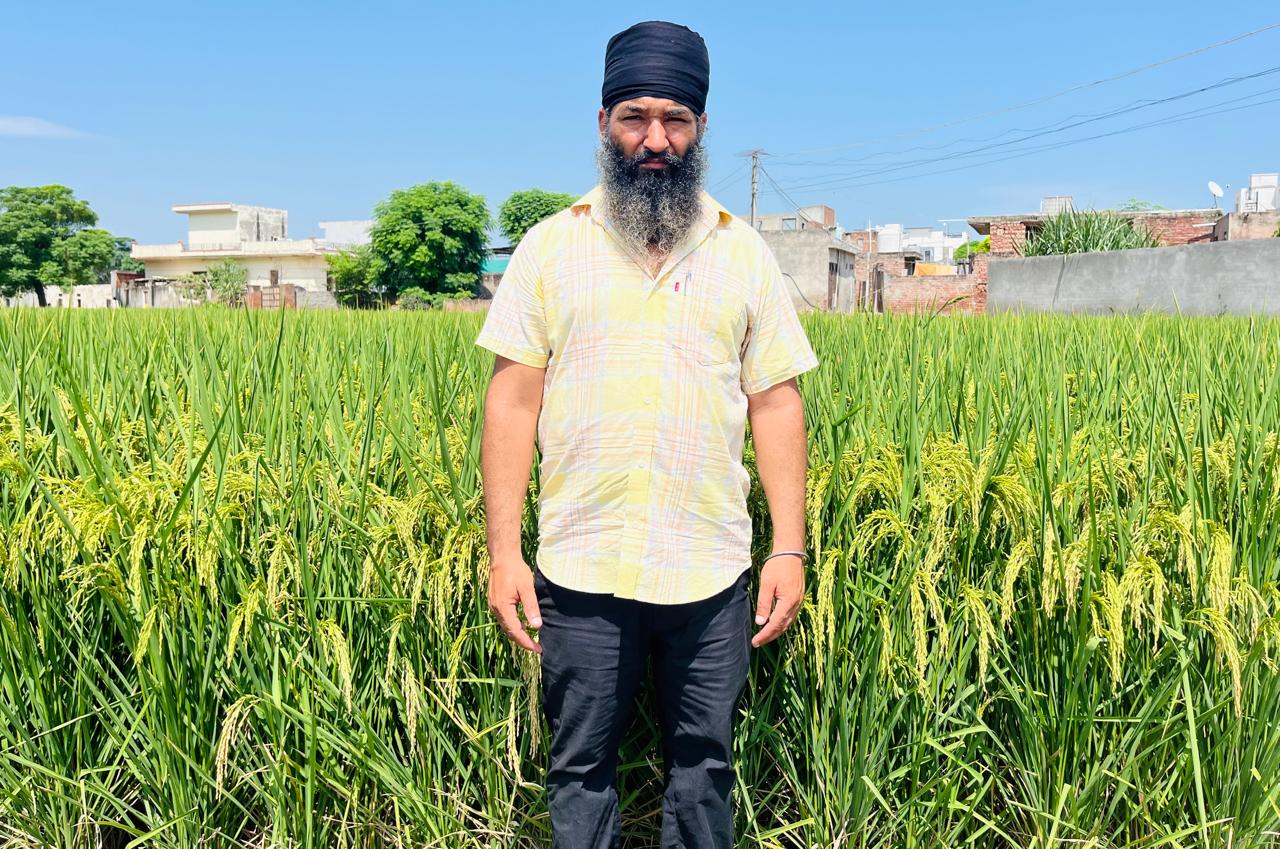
[324, 108]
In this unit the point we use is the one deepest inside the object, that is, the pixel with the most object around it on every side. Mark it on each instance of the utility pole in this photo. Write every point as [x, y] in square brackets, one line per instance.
[755, 179]
[755, 184]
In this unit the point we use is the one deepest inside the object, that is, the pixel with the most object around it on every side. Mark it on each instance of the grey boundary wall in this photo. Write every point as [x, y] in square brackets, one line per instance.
[1206, 279]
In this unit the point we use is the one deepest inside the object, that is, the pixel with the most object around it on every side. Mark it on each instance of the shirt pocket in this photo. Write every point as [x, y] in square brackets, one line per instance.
[709, 329]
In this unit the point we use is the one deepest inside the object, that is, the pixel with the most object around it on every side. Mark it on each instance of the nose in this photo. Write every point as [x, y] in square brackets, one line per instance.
[656, 138]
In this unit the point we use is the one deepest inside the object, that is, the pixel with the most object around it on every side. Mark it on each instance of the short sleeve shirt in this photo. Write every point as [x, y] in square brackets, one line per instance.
[642, 491]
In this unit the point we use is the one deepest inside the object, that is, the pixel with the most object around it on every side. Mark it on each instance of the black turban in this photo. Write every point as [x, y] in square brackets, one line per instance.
[657, 59]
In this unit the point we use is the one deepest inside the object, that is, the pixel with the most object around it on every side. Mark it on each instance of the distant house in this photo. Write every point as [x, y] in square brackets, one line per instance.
[346, 234]
[493, 267]
[254, 236]
[816, 217]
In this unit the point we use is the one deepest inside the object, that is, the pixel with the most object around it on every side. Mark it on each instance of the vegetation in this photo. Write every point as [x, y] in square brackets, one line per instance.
[225, 282]
[431, 236]
[1086, 231]
[243, 601]
[47, 239]
[415, 299]
[1138, 205]
[971, 247]
[352, 277]
[522, 210]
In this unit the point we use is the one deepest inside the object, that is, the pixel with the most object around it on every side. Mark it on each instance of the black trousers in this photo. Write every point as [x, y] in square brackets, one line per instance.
[595, 649]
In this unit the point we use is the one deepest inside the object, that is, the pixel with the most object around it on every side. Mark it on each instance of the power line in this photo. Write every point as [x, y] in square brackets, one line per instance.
[1175, 119]
[728, 180]
[1044, 99]
[844, 177]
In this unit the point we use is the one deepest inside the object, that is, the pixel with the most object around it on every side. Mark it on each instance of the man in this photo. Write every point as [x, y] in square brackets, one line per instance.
[635, 333]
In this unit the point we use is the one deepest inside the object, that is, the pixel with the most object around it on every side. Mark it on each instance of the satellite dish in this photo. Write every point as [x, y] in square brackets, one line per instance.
[1215, 189]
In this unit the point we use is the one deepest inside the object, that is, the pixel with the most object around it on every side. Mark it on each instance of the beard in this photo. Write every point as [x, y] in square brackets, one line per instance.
[651, 208]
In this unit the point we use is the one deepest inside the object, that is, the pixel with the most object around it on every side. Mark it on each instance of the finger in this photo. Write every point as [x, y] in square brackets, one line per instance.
[769, 632]
[783, 615]
[764, 600]
[529, 601]
[515, 630]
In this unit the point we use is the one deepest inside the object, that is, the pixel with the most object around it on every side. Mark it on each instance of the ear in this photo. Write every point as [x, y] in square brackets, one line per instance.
[601, 122]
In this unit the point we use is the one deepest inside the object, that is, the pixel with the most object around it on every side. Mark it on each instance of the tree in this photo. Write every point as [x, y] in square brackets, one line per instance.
[47, 239]
[122, 259]
[431, 236]
[353, 276]
[1137, 205]
[974, 246]
[522, 210]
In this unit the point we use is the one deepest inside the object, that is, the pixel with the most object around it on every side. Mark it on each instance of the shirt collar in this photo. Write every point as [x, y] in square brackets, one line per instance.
[712, 213]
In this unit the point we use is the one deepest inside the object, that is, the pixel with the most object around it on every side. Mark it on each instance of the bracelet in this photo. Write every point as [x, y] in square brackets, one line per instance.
[777, 553]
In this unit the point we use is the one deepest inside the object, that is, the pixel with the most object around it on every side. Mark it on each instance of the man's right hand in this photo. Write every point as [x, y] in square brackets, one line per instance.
[511, 583]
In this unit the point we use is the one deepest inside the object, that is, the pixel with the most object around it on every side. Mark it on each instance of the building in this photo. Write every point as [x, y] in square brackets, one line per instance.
[1257, 212]
[346, 234]
[899, 270]
[253, 236]
[817, 217]
[816, 266]
[494, 265]
[1170, 226]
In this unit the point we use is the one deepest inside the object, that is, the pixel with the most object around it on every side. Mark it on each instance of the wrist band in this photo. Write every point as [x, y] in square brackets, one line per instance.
[777, 553]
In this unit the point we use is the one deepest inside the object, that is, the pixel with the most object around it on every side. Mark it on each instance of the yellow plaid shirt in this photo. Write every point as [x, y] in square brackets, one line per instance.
[642, 491]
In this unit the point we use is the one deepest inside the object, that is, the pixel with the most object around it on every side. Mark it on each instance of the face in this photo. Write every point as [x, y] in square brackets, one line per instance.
[651, 127]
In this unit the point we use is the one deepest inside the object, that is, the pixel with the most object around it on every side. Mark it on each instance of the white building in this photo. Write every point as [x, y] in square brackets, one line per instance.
[933, 245]
[346, 234]
[254, 236]
[1261, 195]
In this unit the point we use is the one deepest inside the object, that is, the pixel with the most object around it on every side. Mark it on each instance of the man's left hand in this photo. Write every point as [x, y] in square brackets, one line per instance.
[781, 591]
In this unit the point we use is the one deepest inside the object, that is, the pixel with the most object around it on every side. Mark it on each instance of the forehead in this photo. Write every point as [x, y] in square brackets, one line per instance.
[651, 106]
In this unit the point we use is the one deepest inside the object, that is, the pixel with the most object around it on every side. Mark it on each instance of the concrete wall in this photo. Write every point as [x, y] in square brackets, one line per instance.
[1204, 279]
[1246, 225]
[216, 227]
[803, 256]
[95, 295]
[306, 272]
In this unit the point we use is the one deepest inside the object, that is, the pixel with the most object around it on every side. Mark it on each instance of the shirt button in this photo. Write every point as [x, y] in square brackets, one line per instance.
[648, 401]
[639, 464]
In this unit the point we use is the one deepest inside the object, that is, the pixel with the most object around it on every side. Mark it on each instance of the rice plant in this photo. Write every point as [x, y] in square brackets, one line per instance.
[243, 590]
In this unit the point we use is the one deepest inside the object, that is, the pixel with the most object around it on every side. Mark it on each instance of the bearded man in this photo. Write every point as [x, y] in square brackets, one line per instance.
[635, 333]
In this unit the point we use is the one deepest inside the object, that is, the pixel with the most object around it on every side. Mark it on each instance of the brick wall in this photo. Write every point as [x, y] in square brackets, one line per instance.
[1179, 229]
[920, 293]
[1007, 237]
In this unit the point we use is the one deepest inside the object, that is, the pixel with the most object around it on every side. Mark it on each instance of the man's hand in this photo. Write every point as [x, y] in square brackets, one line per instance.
[781, 591]
[511, 583]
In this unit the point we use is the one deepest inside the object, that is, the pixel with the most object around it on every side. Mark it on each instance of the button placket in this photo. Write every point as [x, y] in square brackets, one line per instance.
[644, 413]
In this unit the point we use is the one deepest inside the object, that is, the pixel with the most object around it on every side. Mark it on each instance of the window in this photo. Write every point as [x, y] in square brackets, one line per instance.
[788, 224]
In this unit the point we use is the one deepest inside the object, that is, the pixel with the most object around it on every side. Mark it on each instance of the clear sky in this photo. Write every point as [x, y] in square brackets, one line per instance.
[324, 108]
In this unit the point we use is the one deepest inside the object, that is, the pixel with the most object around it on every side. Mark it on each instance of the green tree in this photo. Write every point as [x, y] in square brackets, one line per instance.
[974, 246]
[1137, 205]
[352, 276]
[122, 259]
[47, 239]
[522, 210]
[431, 236]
